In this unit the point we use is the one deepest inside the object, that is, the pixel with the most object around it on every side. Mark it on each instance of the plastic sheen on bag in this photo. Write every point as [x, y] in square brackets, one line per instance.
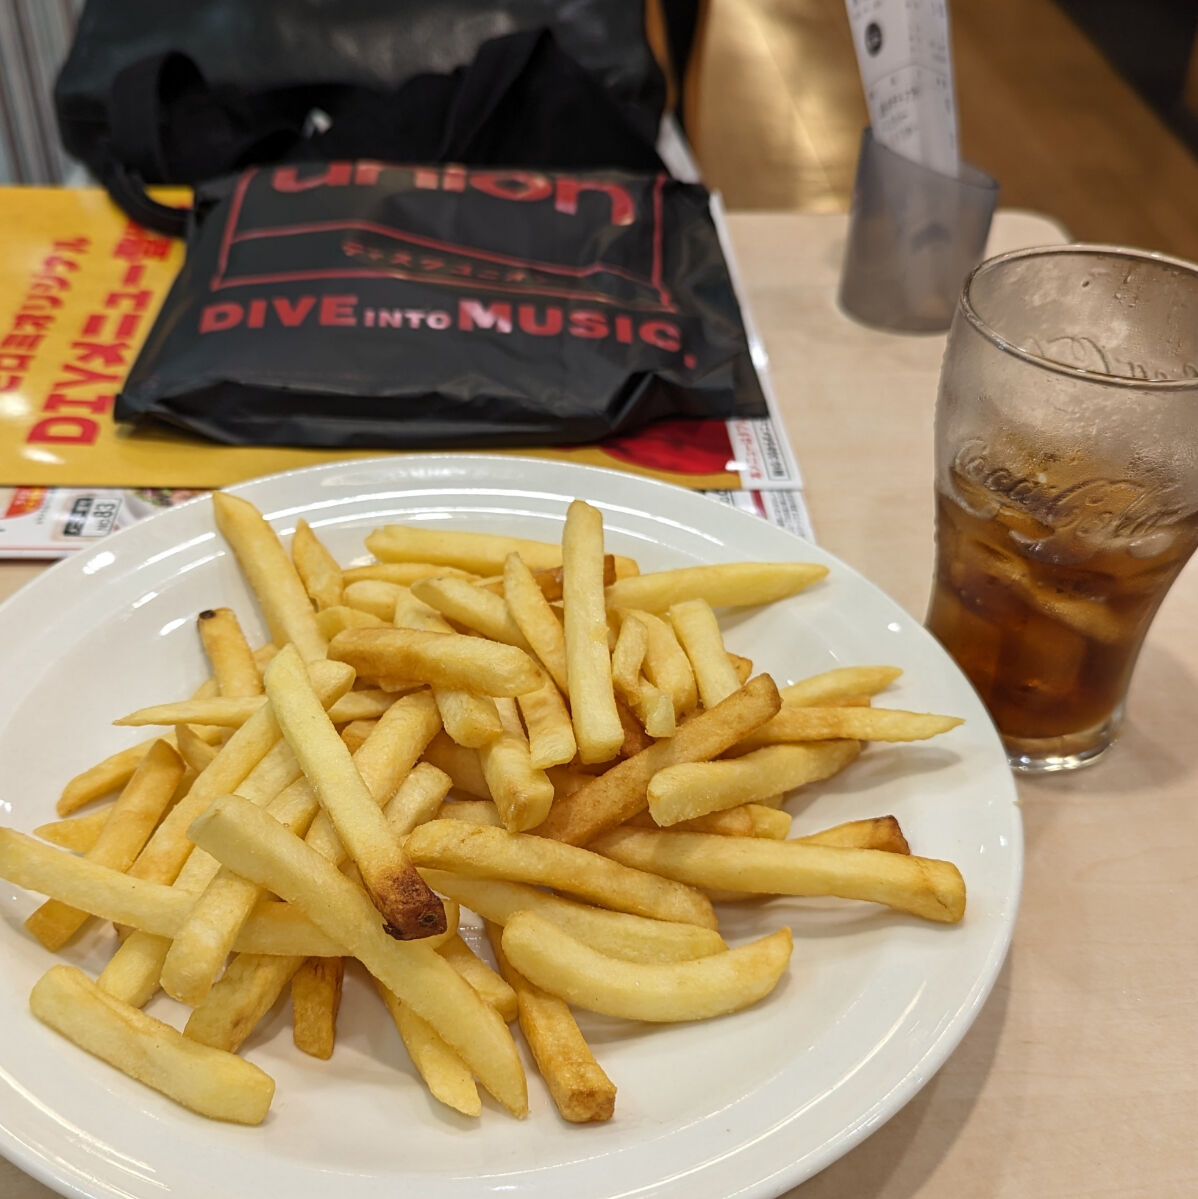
[360, 304]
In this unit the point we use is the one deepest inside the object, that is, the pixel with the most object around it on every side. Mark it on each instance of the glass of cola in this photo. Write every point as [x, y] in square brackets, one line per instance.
[1066, 485]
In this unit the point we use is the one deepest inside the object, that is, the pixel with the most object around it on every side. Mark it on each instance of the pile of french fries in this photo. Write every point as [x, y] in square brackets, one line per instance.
[537, 733]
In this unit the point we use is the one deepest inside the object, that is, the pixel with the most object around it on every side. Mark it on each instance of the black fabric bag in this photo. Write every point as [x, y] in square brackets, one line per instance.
[153, 93]
[360, 304]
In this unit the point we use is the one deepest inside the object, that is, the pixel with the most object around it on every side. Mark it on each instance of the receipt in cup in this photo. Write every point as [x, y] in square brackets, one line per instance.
[905, 60]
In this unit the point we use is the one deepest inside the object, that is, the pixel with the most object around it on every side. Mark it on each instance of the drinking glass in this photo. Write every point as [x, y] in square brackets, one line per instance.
[1066, 485]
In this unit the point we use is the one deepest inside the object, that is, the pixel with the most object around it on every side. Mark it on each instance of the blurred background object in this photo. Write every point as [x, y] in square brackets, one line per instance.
[34, 36]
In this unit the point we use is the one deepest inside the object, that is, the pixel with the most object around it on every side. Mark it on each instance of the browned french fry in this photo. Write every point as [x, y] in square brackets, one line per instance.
[612, 797]
[880, 832]
[132, 820]
[581, 1091]
[233, 665]
[269, 571]
[317, 568]
[597, 726]
[411, 909]
[689, 789]
[495, 853]
[315, 1000]
[922, 886]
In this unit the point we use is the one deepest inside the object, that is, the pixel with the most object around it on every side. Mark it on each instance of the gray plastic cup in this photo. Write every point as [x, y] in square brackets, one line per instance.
[914, 234]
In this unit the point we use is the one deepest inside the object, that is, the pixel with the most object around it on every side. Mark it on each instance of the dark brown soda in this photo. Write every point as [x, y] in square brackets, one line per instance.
[1048, 645]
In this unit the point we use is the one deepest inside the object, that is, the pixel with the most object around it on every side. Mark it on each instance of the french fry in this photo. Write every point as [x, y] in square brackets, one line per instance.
[620, 934]
[689, 789]
[411, 909]
[197, 754]
[77, 833]
[355, 733]
[921, 886]
[551, 740]
[480, 976]
[656, 711]
[729, 584]
[233, 712]
[240, 999]
[495, 853]
[441, 659]
[879, 832]
[834, 685]
[447, 1077]
[612, 797]
[597, 726]
[460, 763]
[796, 723]
[373, 596]
[315, 1000]
[460, 601]
[522, 794]
[627, 656]
[208, 1081]
[316, 567]
[666, 665]
[403, 574]
[417, 799]
[101, 779]
[270, 574]
[128, 827]
[536, 620]
[581, 1091]
[695, 625]
[659, 991]
[331, 621]
[549, 579]
[744, 820]
[251, 843]
[233, 665]
[742, 666]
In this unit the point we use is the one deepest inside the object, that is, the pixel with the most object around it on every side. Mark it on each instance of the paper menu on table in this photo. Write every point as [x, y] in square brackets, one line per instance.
[905, 60]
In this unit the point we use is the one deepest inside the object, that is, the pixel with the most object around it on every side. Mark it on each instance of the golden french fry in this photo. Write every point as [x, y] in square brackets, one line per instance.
[922, 886]
[331, 621]
[796, 723]
[666, 665]
[729, 584]
[355, 733]
[316, 567]
[404, 574]
[77, 833]
[197, 754]
[689, 789]
[444, 1073]
[233, 665]
[270, 574]
[251, 843]
[581, 1091]
[130, 823]
[240, 999]
[101, 779]
[656, 711]
[549, 579]
[597, 726]
[417, 799]
[411, 909]
[208, 1081]
[612, 797]
[460, 601]
[480, 976]
[219, 711]
[522, 794]
[833, 686]
[442, 659]
[695, 625]
[536, 620]
[653, 991]
[373, 596]
[742, 666]
[879, 832]
[315, 1000]
[551, 739]
[621, 934]
[495, 853]
[460, 763]
[627, 656]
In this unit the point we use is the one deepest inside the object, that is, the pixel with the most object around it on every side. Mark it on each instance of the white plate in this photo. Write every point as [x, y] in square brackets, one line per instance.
[748, 1105]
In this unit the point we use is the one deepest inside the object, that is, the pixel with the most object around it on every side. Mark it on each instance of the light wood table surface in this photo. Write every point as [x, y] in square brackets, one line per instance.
[1080, 1076]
